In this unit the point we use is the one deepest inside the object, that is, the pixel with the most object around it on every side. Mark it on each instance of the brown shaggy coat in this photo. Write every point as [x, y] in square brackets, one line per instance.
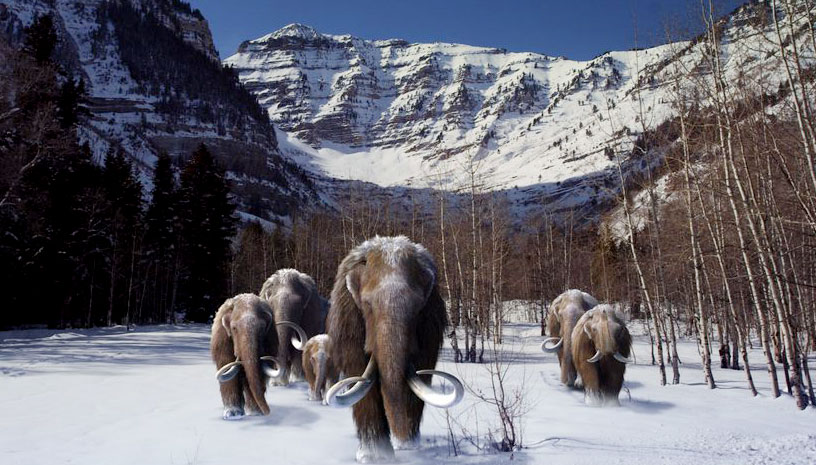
[385, 304]
[293, 297]
[318, 366]
[563, 314]
[601, 329]
[243, 328]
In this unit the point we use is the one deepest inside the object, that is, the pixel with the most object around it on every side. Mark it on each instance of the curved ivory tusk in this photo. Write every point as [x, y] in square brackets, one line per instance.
[553, 348]
[272, 366]
[228, 371]
[299, 341]
[433, 396]
[595, 357]
[362, 384]
[621, 358]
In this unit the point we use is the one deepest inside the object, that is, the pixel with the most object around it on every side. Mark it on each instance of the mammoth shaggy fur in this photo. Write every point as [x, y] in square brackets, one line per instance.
[564, 313]
[293, 297]
[601, 334]
[386, 305]
[243, 329]
[318, 366]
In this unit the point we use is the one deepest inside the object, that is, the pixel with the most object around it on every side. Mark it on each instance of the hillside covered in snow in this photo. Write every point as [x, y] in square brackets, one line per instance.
[548, 129]
[154, 84]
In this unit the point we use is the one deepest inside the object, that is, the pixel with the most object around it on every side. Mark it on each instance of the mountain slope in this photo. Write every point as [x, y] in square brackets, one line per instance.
[549, 130]
[155, 84]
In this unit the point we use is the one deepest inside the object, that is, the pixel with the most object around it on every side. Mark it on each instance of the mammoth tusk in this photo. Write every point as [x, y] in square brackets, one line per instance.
[552, 348]
[433, 396]
[362, 384]
[595, 357]
[228, 371]
[272, 366]
[299, 341]
[621, 358]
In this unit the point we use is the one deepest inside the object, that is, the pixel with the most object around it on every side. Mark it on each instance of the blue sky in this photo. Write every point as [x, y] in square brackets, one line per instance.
[577, 29]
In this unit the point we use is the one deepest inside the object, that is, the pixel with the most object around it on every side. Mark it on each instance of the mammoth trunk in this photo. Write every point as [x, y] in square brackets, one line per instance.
[252, 370]
[319, 368]
[391, 355]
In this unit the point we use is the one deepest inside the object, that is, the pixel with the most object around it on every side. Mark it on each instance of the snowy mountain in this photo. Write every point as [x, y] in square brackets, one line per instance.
[155, 84]
[547, 129]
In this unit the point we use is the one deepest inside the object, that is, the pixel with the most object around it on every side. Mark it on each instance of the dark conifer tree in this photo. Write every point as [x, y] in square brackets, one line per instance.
[160, 249]
[207, 224]
[123, 195]
[41, 38]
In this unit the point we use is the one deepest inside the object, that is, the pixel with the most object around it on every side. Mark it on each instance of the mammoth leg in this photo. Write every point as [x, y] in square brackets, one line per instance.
[611, 380]
[372, 428]
[592, 387]
[296, 368]
[252, 407]
[311, 378]
[231, 395]
[568, 372]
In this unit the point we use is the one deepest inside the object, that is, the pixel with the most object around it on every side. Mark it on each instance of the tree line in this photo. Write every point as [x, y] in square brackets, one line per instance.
[80, 245]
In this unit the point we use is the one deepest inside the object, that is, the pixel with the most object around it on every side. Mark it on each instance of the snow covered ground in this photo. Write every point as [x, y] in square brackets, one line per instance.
[150, 396]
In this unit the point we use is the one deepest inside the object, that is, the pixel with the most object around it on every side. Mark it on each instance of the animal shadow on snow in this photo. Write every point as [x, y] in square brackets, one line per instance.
[282, 415]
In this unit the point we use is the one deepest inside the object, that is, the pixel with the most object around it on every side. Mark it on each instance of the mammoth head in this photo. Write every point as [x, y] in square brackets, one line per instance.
[387, 285]
[607, 330]
[247, 319]
[563, 314]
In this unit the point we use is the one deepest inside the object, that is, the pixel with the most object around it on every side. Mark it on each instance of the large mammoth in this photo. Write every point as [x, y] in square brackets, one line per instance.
[564, 313]
[318, 366]
[242, 346]
[294, 299]
[601, 345]
[386, 322]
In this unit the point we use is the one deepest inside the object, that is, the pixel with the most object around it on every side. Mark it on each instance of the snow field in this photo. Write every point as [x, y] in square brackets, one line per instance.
[150, 396]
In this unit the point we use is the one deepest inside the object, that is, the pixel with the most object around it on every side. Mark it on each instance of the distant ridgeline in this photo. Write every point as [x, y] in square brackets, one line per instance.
[185, 79]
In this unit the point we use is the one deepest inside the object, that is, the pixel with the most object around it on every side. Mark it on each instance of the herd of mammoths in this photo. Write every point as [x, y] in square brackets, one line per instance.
[383, 329]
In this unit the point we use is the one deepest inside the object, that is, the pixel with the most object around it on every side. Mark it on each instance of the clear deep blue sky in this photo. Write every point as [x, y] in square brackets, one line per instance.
[577, 29]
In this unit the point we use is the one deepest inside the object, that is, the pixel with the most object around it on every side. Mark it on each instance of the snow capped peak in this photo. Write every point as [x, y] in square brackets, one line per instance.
[294, 30]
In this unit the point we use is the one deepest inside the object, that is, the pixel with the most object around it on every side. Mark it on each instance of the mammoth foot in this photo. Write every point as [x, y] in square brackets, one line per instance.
[375, 452]
[593, 398]
[405, 444]
[233, 413]
[315, 396]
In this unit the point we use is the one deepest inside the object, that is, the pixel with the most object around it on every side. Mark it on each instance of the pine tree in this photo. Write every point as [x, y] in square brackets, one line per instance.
[207, 226]
[123, 194]
[41, 38]
[160, 250]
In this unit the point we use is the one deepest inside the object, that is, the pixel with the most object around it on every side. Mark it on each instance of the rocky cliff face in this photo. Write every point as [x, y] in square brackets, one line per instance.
[155, 84]
[546, 129]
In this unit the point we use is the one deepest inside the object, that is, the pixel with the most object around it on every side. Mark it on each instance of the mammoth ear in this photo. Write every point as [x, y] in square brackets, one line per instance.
[225, 322]
[353, 283]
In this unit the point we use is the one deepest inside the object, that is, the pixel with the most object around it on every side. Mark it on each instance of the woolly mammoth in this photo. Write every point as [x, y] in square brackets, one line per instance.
[295, 303]
[318, 366]
[386, 323]
[242, 346]
[600, 350]
[564, 313]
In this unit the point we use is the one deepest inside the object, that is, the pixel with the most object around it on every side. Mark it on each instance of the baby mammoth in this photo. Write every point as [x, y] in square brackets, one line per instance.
[564, 313]
[318, 366]
[601, 345]
[297, 306]
[242, 345]
[386, 324]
